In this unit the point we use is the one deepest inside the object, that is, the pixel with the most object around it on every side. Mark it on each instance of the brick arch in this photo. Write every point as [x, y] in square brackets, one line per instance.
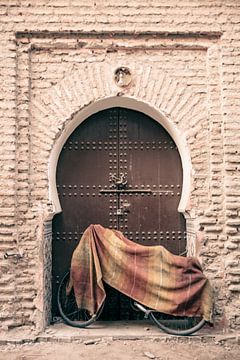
[91, 88]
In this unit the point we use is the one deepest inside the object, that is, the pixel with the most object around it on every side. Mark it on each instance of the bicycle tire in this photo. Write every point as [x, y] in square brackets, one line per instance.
[176, 325]
[69, 310]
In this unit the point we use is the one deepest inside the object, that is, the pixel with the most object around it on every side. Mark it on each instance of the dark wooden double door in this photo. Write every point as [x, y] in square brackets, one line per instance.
[120, 169]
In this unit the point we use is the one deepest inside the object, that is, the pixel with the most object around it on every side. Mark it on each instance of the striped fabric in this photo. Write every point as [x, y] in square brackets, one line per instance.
[151, 275]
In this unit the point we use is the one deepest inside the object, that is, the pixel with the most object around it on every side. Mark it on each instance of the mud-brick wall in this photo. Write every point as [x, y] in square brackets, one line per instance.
[185, 59]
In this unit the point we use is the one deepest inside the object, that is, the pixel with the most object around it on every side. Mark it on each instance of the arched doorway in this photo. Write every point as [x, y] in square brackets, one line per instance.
[121, 169]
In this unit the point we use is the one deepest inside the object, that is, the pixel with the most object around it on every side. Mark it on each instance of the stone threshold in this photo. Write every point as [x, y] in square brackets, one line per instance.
[114, 331]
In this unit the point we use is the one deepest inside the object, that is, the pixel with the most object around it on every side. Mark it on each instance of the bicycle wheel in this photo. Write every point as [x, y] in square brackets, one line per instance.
[177, 325]
[69, 310]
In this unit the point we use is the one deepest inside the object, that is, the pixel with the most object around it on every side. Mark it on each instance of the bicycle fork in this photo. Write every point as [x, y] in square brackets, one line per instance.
[143, 309]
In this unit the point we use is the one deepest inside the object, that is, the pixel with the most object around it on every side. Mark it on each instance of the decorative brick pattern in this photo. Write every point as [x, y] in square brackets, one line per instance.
[58, 58]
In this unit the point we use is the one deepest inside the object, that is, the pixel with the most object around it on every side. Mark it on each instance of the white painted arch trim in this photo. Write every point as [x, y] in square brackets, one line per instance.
[129, 103]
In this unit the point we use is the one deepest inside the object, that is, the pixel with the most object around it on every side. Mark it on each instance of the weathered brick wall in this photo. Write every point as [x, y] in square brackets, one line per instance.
[57, 57]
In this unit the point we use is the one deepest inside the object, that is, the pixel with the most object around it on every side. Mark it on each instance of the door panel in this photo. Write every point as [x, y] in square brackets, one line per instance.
[152, 163]
[82, 171]
[122, 170]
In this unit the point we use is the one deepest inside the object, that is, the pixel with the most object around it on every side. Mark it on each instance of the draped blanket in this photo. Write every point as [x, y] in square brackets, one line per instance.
[149, 274]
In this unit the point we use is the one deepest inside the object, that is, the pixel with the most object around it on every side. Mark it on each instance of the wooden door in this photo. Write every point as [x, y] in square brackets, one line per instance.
[122, 170]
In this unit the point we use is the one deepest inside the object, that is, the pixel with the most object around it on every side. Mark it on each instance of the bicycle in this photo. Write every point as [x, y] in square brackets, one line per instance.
[81, 318]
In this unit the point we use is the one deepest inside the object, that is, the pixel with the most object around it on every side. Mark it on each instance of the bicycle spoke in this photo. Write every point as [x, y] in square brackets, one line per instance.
[69, 310]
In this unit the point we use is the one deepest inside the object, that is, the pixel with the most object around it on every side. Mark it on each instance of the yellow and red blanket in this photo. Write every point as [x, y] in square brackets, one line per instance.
[149, 274]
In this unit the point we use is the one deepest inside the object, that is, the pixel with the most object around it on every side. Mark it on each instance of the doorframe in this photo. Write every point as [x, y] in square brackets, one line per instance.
[133, 104]
[180, 141]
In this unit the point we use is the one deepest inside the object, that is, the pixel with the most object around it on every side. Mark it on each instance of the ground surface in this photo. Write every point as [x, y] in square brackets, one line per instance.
[106, 349]
[118, 341]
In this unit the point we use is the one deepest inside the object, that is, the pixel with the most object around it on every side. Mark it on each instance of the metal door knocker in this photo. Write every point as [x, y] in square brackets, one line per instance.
[120, 180]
